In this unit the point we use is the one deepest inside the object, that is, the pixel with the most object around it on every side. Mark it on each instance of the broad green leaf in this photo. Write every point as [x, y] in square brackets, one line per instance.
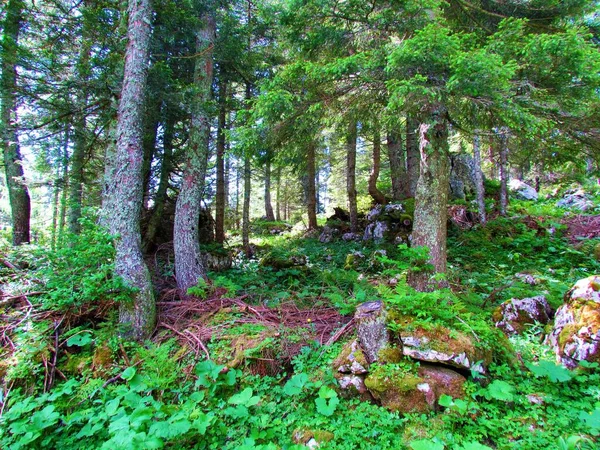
[128, 373]
[112, 406]
[295, 384]
[473, 446]
[426, 444]
[79, 340]
[550, 370]
[500, 390]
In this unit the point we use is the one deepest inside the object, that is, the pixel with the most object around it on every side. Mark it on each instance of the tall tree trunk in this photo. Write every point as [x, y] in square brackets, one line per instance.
[188, 259]
[151, 124]
[397, 169]
[311, 188]
[351, 174]
[237, 195]
[503, 138]
[18, 195]
[479, 188]
[163, 184]
[375, 193]
[246, 206]
[429, 228]
[62, 222]
[76, 180]
[76, 173]
[247, 187]
[270, 216]
[59, 185]
[413, 157]
[278, 193]
[220, 163]
[124, 193]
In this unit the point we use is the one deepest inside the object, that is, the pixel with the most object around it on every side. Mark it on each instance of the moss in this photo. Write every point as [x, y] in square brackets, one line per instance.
[349, 264]
[597, 252]
[76, 364]
[102, 359]
[345, 358]
[389, 355]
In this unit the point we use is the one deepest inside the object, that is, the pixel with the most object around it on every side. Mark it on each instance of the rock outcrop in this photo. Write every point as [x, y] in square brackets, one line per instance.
[522, 191]
[388, 223]
[575, 199]
[514, 315]
[576, 333]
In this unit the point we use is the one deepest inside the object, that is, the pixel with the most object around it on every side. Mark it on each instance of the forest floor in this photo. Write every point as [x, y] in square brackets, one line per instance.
[246, 361]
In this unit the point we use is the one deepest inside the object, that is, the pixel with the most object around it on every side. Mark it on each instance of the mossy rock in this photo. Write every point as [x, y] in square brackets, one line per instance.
[435, 343]
[415, 390]
[351, 352]
[576, 333]
[514, 315]
[102, 360]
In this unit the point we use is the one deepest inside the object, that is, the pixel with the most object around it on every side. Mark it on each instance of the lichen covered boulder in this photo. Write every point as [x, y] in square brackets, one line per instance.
[514, 315]
[416, 389]
[576, 333]
[440, 345]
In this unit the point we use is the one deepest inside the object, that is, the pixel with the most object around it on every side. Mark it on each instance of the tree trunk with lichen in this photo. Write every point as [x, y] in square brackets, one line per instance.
[503, 151]
[412, 154]
[375, 193]
[311, 188]
[188, 259]
[161, 196]
[18, 194]
[479, 188]
[124, 187]
[220, 164]
[351, 174]
[397, 169]
[269, 214]
[431, 199]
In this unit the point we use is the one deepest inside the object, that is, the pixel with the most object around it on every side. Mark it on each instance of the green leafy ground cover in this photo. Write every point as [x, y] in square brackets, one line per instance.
[118, 395]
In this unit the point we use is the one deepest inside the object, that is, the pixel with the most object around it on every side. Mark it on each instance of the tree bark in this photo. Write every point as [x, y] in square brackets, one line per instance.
[311, 188]
[412, 154]
[18, 194]
[278, 193]
[397, 169]
[503, 138]
[479, 188]
[151, 124]
[429, 228]
[220, 163]
[60, 186]
[76, 179]
[270, 216]
[246, 206]
[163, 184]
[351, 174]
[375, 193]
[247, 191]
[188, 259]
[124, 190]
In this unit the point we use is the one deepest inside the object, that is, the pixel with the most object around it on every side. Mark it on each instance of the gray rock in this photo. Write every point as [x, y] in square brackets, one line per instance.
[372, 329]
[513, 315]
[328, 234]
[462, 175]
[376, 231]
[522, 191]
[350, 237]
[578, 200]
